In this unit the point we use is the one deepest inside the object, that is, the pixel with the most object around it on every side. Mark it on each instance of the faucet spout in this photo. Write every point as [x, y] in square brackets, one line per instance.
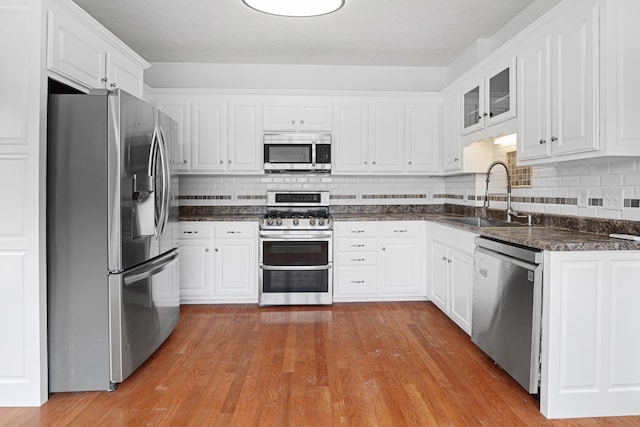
[510, 211]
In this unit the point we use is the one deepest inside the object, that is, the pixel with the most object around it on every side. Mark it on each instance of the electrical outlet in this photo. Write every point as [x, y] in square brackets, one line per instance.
[613, 198]
[583, 197]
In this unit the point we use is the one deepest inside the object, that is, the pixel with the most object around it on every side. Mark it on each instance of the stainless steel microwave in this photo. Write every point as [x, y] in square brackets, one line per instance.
[297, 152]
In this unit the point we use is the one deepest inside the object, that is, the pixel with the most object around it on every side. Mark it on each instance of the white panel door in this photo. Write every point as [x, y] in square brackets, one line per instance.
[422, 138]
[350, 145]
[461, 288]
[245, 142]
[439, 275]
[208, 150]
[574, 91]
[178, 108]
[387, 138]
[196, 270]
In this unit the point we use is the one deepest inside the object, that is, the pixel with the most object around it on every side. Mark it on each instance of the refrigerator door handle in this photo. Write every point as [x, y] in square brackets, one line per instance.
[151, 268]
[164, 213]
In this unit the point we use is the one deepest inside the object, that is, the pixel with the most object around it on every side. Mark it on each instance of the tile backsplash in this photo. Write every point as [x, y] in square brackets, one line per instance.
[566, 189]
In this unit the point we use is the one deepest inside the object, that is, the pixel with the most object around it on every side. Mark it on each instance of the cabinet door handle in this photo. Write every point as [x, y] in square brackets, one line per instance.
[444, 258]
[221, 162]
[373, 163]
[485, 115]
[216, 249]
[206, 249]
[448, 260]
[409, 162]
[301, 122]
[543, 141]
[554, 139]
[293, 122]
[455, 159]
[384, 248]
[229, 161]
[113, 85]
[184, 161]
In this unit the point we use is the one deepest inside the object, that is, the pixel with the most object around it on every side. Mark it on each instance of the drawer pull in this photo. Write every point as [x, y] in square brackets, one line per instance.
[357, 231]
[357, 259]
[233, 232]
[400, 231]
[357, 281]
[189, 232]
[360, 245]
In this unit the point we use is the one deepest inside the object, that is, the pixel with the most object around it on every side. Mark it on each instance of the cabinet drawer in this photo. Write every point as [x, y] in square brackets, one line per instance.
[357, 281]
[236, 229]
[356, 245]
[401, 228]
[195, 230]
[356, 229]
[358, 258]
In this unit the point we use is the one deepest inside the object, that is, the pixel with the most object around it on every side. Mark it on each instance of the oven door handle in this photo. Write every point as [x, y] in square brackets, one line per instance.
[294, 267]
[285, 237]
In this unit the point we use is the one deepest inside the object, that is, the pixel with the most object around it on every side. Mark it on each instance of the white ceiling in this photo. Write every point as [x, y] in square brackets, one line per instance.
[363, 32]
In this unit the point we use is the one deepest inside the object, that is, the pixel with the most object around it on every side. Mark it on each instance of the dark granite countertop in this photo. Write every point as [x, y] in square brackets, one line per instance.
[540, 237]
[548, 238]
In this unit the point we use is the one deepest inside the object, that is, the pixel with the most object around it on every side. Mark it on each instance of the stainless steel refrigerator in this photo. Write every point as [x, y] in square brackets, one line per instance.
[112, 214]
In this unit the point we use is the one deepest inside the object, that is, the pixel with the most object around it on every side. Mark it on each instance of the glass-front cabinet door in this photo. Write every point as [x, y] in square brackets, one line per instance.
[492, 100]
[472, 114]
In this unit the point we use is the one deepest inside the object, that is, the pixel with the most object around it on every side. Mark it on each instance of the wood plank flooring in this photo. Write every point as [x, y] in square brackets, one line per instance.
[368, 364]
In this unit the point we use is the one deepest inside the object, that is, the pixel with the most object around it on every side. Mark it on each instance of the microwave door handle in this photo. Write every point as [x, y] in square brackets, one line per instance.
[313, 153]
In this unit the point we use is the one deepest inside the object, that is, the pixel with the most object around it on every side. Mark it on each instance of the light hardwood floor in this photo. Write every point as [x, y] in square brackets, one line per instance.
[368, 364]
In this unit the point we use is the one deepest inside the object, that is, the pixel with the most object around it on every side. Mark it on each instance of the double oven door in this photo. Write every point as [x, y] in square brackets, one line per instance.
[295, 267]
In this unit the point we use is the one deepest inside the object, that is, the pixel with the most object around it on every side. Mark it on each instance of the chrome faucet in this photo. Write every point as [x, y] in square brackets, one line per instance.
[510, 211]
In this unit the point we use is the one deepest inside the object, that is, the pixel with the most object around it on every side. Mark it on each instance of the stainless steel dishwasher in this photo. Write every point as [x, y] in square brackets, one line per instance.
[507, 307]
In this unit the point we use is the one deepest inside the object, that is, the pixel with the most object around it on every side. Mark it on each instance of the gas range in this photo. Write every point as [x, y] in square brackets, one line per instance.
[296, 249]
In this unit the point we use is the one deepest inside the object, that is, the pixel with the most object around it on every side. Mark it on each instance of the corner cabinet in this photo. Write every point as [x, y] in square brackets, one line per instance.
[218, 262]
[450, 266]
[79, 49]
[491, 100]
[379, 261]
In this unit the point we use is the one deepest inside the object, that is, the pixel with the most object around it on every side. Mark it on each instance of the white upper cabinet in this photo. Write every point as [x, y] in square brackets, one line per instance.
[578, 94]
[491, 99]
[284, 114]
[386, 138]
[178, 107]
[422, 136]
[558, 78]
[378, 137]
[209, 135]
[350, 145]
[244, 144]
[78, 52]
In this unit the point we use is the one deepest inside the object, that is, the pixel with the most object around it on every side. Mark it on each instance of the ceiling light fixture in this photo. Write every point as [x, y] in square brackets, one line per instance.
[295, 8]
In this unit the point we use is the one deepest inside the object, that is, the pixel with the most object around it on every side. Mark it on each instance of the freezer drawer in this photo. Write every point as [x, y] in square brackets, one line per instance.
[507, 295]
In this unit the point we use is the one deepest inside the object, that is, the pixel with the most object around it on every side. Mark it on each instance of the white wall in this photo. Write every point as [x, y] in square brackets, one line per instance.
[295, 77]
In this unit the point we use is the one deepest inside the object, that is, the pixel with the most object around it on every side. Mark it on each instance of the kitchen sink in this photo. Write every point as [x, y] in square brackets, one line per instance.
[480, 222]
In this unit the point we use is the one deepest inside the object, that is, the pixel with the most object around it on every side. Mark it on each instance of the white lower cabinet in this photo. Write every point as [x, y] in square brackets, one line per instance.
[218, 262]
[590, 340]
[450, 266]
[379, 261]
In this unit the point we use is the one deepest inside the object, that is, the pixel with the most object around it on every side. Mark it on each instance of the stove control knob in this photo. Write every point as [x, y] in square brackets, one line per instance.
[279, 221]
[296, 221]
[269, 221]
[312, 221]
[321, 221]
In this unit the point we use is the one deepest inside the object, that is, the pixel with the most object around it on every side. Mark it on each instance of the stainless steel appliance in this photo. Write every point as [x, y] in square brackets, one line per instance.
[112, 253]
[297, 152]
[507, 308]
[296, 249]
